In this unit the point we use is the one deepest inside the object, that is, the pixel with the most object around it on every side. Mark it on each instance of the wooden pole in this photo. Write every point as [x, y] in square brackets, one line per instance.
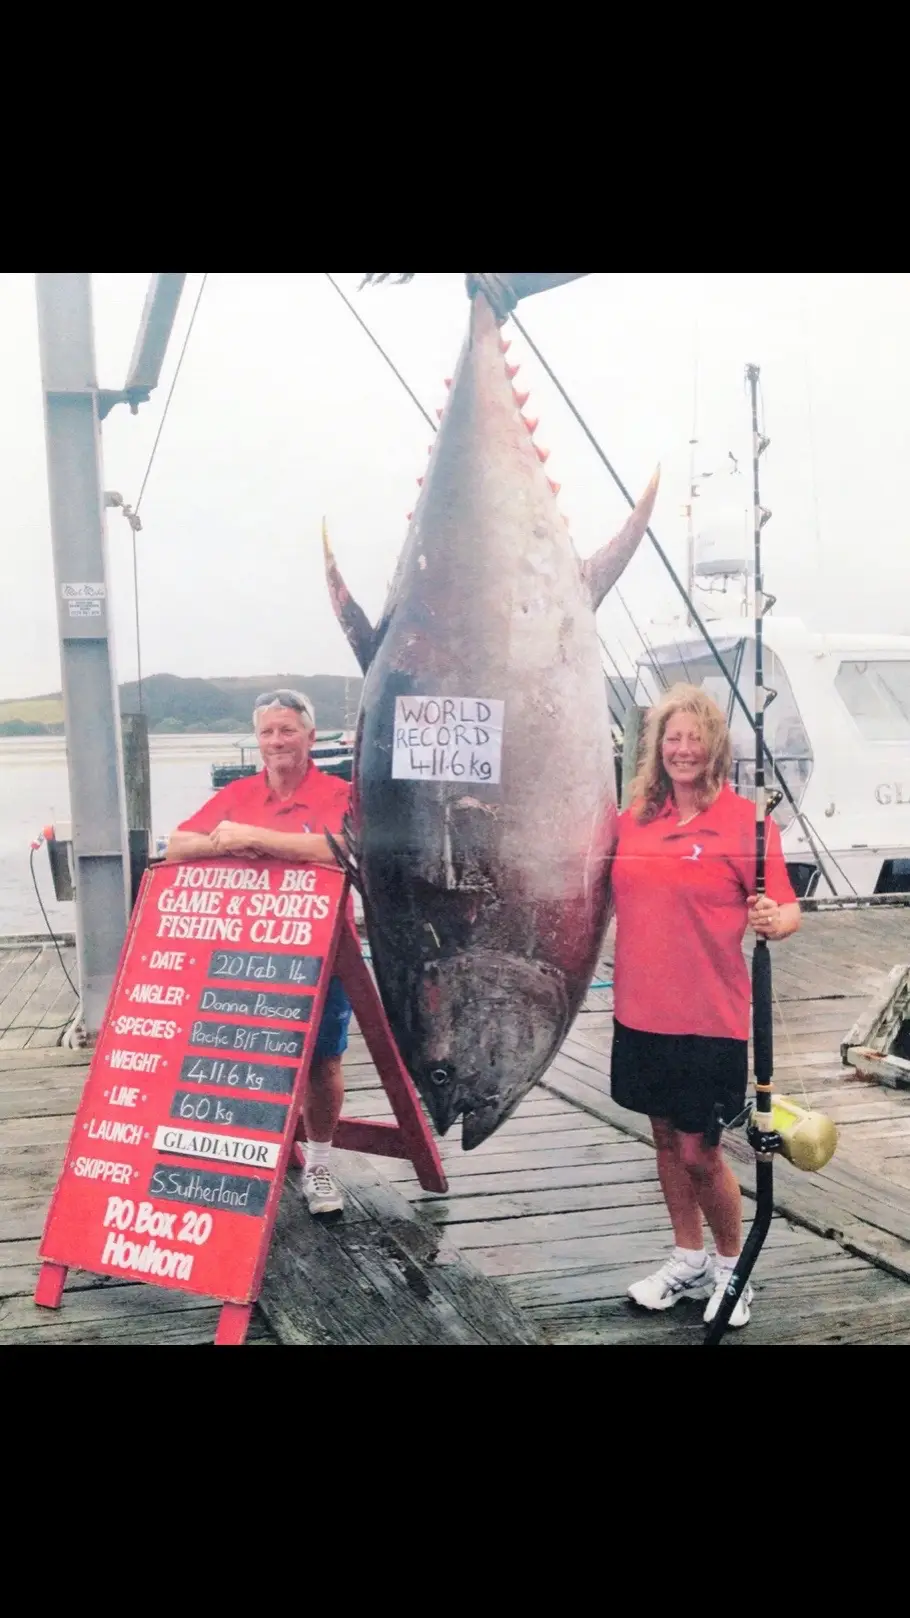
[137, 776]
[137, 771]
[633, 724]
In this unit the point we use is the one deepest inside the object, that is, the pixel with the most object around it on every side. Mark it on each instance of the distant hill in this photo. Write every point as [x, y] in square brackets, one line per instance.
[173, 704]
[224, 703]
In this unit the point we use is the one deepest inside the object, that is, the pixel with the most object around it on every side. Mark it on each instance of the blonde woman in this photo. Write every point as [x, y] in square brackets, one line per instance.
[684, 885]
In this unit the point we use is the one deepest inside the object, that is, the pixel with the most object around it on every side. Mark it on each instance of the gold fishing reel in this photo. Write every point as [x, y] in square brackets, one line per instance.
[807, 1139]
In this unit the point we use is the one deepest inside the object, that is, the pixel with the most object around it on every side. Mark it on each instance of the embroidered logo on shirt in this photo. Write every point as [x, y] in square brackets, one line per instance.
[697, 848]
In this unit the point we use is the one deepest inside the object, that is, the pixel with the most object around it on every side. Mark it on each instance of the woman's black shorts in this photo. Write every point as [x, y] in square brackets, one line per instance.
[680, 1077]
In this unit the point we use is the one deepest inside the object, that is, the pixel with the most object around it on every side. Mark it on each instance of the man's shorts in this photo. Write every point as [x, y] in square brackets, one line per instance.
[679, 1077]
[332, 1039]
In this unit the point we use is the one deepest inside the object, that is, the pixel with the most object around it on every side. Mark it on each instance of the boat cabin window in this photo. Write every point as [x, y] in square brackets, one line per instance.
[876, 694]
[785, 734]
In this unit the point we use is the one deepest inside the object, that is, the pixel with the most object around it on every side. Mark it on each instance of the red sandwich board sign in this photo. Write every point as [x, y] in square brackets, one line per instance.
[191, 1110]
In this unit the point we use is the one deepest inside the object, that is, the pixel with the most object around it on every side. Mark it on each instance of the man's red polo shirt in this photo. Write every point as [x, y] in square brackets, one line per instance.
[681, 916]
[317, 806]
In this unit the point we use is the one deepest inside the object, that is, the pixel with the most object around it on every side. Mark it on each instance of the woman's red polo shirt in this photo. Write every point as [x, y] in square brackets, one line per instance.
[681, 915]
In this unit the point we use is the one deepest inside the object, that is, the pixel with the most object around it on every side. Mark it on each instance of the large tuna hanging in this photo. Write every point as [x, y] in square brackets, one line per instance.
[484, 803]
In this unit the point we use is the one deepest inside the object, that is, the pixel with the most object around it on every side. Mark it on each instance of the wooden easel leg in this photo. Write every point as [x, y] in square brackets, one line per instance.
[361, 991]
[49, 1289]
[233, 1323]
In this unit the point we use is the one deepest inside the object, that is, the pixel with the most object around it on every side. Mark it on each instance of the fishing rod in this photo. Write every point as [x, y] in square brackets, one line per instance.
[761, 1134]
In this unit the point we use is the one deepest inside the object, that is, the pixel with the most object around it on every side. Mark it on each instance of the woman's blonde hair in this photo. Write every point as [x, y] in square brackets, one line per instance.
[652, 786]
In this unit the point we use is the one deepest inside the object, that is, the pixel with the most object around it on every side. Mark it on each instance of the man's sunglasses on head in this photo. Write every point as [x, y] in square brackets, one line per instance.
[288, 699]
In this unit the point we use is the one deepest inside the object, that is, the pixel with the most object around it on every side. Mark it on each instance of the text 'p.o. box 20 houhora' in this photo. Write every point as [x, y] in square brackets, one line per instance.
[448, 739]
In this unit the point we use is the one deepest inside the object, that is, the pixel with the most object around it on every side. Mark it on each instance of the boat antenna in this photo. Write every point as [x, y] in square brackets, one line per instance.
[693, 487]
[763, 1139]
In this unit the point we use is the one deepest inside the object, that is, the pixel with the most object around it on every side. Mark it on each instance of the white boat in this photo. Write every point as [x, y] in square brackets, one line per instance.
[839, 732]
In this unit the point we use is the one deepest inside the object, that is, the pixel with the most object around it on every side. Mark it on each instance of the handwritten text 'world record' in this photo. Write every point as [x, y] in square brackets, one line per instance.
[447, 739]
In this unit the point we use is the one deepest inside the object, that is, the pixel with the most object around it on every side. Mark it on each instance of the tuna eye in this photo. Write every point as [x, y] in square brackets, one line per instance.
[439, 1075]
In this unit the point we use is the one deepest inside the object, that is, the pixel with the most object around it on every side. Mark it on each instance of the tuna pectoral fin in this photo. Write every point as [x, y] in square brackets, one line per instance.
[360, 633]
[603, 568]
[345, 852]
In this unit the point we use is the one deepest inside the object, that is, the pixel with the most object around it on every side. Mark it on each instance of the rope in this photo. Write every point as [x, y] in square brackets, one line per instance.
[793, 1058]
[31, 862]
[646, 644]
[392, 367]
[132, 513]
[42, 1028]
[170, 396]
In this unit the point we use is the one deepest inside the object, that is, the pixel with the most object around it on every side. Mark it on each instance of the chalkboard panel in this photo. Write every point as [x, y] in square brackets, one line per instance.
[240, 1037]
[174, 1164]
[236, 1193]
[232, 1002]
[240, 966]
[238, 1075]
[195, 1107]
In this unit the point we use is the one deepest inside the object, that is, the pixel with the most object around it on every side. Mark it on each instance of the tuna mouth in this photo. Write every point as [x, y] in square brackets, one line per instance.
[481, 1108]
[484, 1028]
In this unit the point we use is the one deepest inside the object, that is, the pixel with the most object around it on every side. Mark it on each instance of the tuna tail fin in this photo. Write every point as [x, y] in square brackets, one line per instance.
[359, 631]
[602, 570]
[387, 276]
[346, 852]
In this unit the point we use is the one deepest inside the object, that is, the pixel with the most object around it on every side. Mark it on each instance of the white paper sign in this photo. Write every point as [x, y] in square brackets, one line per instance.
[447, 739]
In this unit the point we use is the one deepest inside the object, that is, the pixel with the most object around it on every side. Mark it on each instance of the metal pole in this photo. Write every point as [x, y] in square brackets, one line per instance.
[762, 1137]
[153, 336]
[90, 702]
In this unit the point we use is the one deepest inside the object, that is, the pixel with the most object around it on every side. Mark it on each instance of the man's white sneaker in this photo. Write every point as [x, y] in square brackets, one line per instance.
[742, 1312]
[320, 1191]
[674, 1280]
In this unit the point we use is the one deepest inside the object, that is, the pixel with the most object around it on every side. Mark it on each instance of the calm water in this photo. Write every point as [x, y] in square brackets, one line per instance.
[34, 790]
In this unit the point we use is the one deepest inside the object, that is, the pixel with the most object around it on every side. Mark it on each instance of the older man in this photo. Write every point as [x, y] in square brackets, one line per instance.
[282, 813]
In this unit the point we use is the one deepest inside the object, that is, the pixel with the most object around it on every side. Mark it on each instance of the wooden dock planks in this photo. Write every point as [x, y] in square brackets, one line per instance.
[544, 1226]
[36, 1001]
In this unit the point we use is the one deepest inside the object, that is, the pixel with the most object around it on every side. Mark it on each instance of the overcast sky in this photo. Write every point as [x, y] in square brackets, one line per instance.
[284, 411]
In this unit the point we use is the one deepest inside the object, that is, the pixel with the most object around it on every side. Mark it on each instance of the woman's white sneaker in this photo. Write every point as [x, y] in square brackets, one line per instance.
[674, 1280]
[742, 1312]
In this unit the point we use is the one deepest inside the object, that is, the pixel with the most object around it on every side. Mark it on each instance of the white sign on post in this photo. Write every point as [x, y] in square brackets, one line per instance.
[83, 592]
[84, 600]
[447, 739]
